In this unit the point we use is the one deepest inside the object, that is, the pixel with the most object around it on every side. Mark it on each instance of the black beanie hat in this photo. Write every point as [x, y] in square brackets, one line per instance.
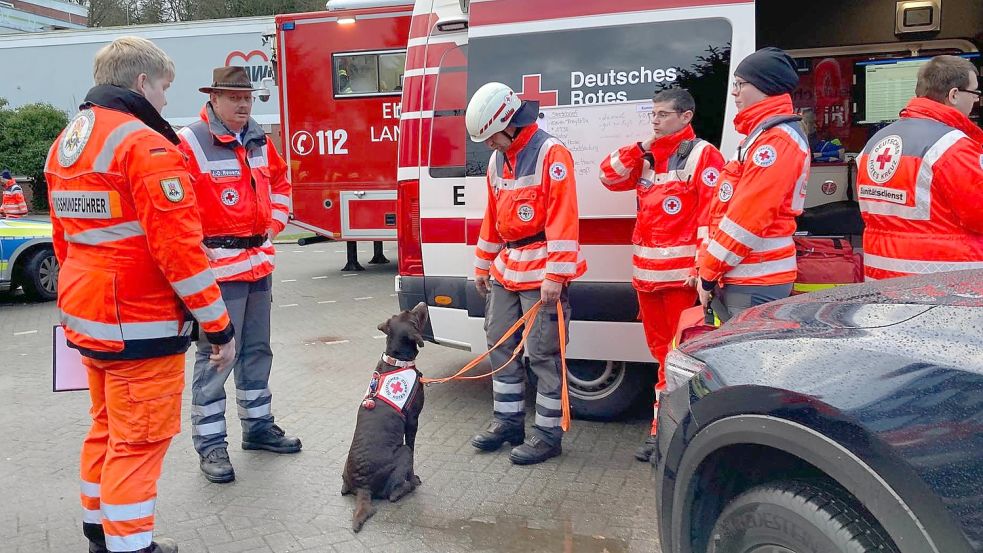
[770, 70]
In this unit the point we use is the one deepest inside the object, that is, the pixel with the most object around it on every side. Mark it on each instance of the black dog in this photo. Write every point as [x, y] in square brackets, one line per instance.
[380, 461]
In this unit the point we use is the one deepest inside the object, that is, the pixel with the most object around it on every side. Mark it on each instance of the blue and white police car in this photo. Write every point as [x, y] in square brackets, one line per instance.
[27, 259]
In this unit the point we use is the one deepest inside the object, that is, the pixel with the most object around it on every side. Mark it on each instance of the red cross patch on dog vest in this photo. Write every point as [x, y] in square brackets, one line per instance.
[395, 388]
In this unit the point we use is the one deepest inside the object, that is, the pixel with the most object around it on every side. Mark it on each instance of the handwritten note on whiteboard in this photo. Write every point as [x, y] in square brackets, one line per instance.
[591, 132]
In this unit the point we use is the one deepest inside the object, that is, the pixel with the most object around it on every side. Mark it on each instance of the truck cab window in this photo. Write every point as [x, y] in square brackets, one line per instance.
[368, 73]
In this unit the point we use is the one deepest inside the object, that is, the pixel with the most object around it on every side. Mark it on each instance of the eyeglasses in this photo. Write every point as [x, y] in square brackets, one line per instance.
[660, 115]
[736, 84]
[976, 92]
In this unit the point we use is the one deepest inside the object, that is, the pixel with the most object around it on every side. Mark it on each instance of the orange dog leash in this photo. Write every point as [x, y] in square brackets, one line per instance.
[527, 317]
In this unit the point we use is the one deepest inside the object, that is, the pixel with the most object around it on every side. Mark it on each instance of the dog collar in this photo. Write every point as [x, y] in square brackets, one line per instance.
[396, 362]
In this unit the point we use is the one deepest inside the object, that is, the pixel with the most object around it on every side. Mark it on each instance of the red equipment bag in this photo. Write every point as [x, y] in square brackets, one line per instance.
[692, 324]
[825, 262]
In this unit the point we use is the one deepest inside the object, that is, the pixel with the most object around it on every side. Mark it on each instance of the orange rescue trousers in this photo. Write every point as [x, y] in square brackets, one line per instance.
[659, 311]
[136, 410]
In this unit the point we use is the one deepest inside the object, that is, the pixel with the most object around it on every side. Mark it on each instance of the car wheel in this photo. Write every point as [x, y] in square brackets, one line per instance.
[796, 517]
[603, 390]
[39, 275]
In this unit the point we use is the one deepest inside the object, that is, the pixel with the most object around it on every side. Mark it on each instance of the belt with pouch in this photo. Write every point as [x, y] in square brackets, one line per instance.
[538, 237]
[234, 242]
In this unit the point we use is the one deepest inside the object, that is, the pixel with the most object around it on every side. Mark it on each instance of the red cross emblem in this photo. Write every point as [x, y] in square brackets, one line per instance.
[884, 158]
[229, 197]
[532, 90]
[396, 387]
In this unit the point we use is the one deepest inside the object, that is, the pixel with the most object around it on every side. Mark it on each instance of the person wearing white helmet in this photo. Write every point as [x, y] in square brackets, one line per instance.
[528, 250]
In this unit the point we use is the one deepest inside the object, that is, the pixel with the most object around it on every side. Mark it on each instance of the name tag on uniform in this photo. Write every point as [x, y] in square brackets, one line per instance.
[224, 173]
[78, 204]
[68, 372]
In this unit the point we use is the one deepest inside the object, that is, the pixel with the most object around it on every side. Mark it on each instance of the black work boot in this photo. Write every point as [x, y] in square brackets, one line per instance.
[96, 536]
[162, 545]
[533, 451]
[216, 466]
[497, 433]
[272, 439]
[645, 451]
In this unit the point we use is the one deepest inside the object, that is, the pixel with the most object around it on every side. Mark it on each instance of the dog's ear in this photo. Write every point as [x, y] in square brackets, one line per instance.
[420, 316]
[384, 327]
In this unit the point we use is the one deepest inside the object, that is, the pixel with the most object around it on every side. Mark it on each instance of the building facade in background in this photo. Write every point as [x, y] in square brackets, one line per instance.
[22, 16]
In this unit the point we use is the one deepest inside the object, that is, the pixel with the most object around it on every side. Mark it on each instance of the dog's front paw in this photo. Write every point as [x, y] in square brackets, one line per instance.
[416, 480]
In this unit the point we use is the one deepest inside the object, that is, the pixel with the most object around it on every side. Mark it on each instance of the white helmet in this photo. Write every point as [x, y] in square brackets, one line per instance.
[490, 110]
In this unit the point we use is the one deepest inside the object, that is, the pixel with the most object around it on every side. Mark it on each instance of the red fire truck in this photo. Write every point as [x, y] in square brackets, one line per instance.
[340, 78]
[593, 67]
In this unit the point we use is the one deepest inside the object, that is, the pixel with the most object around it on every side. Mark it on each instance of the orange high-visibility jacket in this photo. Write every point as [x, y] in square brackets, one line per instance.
[752, 219]
[127, 235]
[532, 196]
[13, 205]
[242, 191]
[920, 186]
[673, 204]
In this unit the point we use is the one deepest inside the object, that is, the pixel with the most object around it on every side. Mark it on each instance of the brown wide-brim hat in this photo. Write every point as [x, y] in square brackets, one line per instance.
[230, 78]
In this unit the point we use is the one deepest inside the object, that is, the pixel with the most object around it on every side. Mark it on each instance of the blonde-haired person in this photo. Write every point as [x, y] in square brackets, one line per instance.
[127, 235]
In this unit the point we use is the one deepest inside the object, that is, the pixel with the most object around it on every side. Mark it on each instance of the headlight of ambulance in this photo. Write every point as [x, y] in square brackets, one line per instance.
[680, 368]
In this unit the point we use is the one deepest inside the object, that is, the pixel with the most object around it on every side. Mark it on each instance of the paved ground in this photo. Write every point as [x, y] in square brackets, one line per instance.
[594, 498]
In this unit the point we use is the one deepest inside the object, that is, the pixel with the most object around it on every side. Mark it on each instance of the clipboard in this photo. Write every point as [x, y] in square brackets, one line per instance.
[68, 374]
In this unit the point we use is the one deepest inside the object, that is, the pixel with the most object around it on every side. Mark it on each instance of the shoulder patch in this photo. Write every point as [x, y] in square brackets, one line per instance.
[885, 157]
[726, 192]
[558, 171]
[710, 176]
[173, 190]
[76, 136]
[764, 156]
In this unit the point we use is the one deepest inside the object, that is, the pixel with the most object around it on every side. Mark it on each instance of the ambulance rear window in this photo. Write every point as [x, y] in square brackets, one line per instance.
[377, 73]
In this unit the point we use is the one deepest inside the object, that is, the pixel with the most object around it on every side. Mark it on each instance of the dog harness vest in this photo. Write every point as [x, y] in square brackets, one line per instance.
[394, 388]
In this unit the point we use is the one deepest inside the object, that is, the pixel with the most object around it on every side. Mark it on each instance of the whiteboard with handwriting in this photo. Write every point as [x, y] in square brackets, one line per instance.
[591, 132]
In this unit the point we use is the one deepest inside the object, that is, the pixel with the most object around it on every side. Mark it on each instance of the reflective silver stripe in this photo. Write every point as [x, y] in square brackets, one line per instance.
[256, 260]
[93, 329]
[105, 157]
[562, 246]
[213, 408]
[208, 429]
[128, 511]
[489, 246]
[149, 330]
[250, 395]
[506, 388]
[739, 233]
[204, 164]
[280, 199]
[258, 161]
[664, 253]
[702, 233]
[518, 276]
[509, 406]
[747, 270]
[92, 516]
[694, 157]
[90, 489]
[482, 264]
[723, 254]
[619, 168]
[671, 275]
[195, 284]
[561, 267]
[254, 412]
[103, 235]
[281, 216]
[796, 137]
[548, 402]
[211, 312]
[528, 254]
[547, 422]
[917, 266]
[133, 542]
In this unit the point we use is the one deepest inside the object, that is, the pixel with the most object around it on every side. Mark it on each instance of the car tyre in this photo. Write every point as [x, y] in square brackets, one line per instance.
[39, 275]
[797, 517]
[606, 390]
